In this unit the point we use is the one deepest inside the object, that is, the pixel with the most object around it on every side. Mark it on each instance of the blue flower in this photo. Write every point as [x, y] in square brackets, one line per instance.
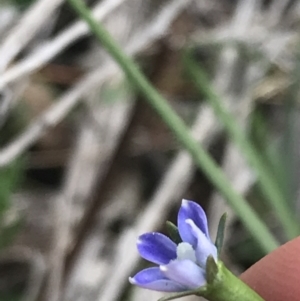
[180, 267]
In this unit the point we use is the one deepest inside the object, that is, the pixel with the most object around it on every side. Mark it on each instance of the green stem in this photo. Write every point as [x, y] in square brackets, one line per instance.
[254, 225]
[227, 287]
[269, 187]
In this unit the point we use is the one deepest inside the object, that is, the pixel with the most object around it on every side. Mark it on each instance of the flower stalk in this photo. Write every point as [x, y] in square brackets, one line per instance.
[222, 285]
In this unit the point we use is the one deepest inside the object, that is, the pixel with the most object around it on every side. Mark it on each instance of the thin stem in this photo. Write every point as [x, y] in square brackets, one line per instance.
[268, 186]
[252, 222]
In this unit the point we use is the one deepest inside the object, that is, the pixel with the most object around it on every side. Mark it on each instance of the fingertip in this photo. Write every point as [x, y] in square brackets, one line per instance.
[276, 276]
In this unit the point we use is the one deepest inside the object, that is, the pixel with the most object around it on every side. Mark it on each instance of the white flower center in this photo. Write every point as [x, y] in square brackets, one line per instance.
[185, 251]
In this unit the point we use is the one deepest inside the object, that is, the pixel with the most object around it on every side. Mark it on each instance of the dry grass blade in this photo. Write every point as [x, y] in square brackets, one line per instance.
[156, 29]
[44, 53]
[25, 30]
[226, 86]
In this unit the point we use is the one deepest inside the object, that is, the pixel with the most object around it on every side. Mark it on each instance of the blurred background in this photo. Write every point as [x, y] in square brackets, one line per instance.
[86, 165]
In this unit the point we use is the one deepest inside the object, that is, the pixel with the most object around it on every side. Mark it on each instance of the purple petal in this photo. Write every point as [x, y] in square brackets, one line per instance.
[193, 211]
[204, 246]
[185, 272]
[156, 248]
[154, 279]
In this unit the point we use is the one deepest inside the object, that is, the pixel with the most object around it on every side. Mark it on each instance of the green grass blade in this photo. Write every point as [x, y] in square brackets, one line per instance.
[270, 189]
[202, 159]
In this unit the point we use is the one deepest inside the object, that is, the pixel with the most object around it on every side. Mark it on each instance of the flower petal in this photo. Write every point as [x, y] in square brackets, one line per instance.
[193, 211]
[156, 248]
[153, 279]
[184, 272]
[204, 246]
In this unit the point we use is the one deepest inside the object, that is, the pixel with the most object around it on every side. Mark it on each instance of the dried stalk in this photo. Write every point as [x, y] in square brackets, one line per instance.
[43, 54]
[25, 30]
[156, 29]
